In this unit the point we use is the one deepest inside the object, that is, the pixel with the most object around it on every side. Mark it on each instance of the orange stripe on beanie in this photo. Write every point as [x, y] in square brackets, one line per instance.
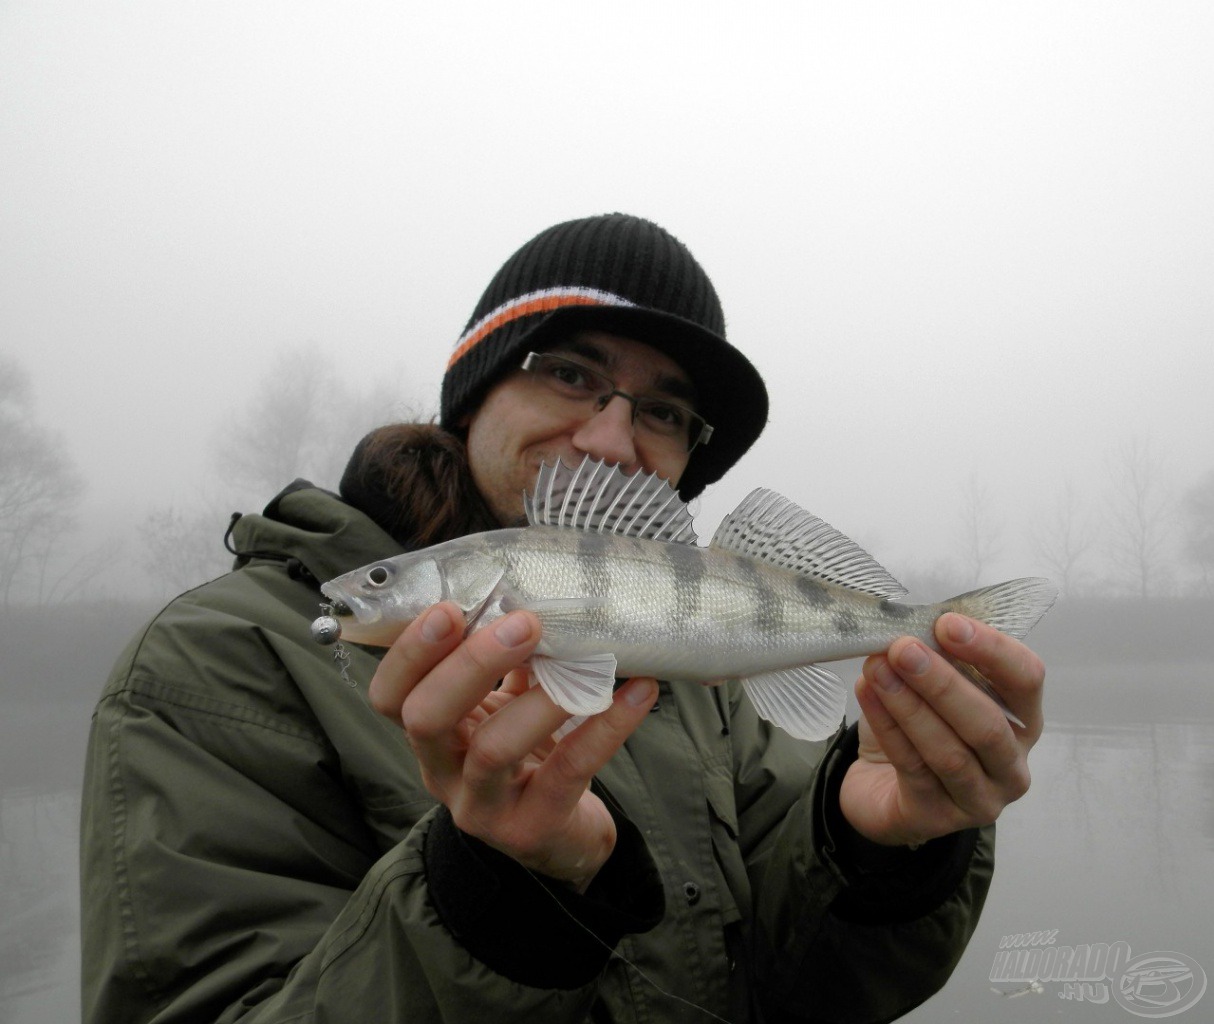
[542, 301]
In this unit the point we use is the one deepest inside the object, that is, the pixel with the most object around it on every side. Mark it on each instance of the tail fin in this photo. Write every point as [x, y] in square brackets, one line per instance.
[1013, 607]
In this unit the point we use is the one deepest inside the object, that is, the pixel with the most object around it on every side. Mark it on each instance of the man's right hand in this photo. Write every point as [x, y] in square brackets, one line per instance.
[487, 751]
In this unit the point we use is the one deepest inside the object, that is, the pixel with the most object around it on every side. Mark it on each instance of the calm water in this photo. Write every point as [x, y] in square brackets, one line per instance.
[1115, 842]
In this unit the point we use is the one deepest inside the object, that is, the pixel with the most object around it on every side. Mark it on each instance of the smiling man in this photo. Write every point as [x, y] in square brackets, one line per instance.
[259, 844]
[598, 393]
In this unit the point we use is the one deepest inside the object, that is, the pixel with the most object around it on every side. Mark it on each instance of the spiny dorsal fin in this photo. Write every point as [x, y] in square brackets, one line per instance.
[769, 527]
[601, 498]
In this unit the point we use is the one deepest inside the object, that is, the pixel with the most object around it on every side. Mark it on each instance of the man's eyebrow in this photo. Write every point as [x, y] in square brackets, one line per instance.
[665, 384]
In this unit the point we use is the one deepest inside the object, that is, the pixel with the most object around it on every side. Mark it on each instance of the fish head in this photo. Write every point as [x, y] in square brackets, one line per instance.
[375, 603]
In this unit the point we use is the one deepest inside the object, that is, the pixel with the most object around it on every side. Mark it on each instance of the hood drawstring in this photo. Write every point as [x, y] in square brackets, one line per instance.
[296, 570]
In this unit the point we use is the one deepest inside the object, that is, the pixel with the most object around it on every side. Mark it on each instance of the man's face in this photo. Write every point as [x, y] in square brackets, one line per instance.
[521, 424]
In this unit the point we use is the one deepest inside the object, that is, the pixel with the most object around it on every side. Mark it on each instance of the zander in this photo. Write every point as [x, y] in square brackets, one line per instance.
[610, 565]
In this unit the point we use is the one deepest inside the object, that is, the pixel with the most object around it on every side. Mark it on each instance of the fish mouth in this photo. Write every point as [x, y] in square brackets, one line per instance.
[361, 622]
[346, 607]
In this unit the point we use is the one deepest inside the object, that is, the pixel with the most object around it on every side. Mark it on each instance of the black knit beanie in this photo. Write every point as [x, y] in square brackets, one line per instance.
[627, 276]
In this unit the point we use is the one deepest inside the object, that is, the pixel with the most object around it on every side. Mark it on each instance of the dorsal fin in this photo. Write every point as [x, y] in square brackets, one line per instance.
[771, 528]
[601, 498]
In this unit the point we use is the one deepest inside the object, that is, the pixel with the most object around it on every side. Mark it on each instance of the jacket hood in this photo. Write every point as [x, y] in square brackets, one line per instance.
[313, 527]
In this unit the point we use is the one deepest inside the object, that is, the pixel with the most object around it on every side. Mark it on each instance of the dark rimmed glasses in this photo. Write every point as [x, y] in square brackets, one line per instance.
[576, 382]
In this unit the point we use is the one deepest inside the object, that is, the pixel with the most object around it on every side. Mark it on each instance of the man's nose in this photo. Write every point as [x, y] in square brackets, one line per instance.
[608, 434]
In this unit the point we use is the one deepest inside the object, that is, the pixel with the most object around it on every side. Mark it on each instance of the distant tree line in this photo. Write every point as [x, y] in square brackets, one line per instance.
[303, 419]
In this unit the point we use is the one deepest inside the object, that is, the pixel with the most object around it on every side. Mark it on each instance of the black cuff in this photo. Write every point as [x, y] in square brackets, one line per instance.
[532, 929]
[885, 884]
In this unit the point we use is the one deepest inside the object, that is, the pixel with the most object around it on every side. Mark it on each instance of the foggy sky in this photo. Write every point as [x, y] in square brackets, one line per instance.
[960, 240]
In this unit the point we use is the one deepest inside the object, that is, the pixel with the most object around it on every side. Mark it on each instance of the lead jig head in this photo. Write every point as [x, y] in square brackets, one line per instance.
[326, 629]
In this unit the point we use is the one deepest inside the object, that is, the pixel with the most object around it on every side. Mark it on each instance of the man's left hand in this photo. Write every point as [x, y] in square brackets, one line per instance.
[937, 755]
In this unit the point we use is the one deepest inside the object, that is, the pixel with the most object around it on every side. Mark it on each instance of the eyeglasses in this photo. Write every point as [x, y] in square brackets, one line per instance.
[576, 382]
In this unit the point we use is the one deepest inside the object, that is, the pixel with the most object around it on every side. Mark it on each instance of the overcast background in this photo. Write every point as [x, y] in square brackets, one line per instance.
[969, 245]
[961, 241]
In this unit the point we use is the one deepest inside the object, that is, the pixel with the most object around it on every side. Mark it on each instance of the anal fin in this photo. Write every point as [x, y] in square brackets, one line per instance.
[806, 701]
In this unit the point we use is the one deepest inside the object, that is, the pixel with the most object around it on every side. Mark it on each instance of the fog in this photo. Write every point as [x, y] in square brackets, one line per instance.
[960, 241]
[970, 247]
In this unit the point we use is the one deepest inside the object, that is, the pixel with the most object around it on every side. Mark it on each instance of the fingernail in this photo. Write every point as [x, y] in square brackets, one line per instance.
[436, 625]
[913, 658]
[512, 630]
[960, 630]
[887, 679]
[640, 692]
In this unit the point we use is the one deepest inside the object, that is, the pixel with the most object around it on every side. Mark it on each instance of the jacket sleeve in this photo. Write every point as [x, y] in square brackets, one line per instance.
[227, 875]
[844, 930]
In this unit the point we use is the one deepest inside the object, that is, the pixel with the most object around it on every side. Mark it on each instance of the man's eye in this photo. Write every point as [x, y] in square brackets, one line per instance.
[671, 417]
[569, 376]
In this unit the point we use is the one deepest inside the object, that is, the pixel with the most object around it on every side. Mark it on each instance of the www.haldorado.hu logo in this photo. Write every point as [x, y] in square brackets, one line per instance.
[1160, 984]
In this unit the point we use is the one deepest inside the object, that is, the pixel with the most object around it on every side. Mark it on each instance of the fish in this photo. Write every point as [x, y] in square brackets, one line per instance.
[611, 565]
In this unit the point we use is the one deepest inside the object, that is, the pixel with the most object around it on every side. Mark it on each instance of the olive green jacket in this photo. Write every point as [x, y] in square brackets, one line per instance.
[257, 845]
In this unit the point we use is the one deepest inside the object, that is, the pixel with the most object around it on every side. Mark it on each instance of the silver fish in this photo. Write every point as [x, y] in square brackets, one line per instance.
[611, 566]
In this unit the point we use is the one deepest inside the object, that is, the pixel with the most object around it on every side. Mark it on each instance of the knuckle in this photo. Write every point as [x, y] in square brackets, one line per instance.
[481, 656]
[994, 734]
[915, 711]
[1019, 780]
[953, 763]
[568, 761]
[935, 685]
[473, 657]
[418, 723]
[1021, 667]
[1034, 669]
[381, 701]
[485, 757]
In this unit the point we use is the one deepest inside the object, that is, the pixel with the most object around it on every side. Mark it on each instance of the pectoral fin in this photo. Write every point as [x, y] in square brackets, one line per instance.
[807, 701]
[582, 686]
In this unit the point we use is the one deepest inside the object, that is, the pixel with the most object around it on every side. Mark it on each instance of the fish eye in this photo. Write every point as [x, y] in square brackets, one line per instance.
[378, 576]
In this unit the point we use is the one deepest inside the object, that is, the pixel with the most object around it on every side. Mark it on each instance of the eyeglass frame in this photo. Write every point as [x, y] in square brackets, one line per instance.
[601, 401]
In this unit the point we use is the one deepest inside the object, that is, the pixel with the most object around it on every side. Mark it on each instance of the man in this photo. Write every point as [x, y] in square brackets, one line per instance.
[260, 845]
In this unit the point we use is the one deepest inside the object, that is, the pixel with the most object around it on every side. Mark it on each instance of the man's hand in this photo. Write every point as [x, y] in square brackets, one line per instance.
[487, 751]
[937, 754]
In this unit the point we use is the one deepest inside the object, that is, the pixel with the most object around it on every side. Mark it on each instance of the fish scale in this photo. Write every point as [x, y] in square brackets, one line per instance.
[621, 586]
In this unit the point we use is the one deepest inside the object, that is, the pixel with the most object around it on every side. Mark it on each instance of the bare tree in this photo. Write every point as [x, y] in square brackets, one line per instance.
[1141, 518]
[180, 551]
[40, 489]
[1198, 511]
[280, 434]
[303, 421]
[1062, 539]
[980, 531]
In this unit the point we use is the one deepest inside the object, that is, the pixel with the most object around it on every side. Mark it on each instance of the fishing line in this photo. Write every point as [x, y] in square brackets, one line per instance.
[620, 956]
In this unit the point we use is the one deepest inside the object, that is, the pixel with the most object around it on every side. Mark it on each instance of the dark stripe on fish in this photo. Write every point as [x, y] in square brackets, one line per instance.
[596, 577]
[846, 623]
[688, 567]
[894, 610]
[812, 591]
[768, 612]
